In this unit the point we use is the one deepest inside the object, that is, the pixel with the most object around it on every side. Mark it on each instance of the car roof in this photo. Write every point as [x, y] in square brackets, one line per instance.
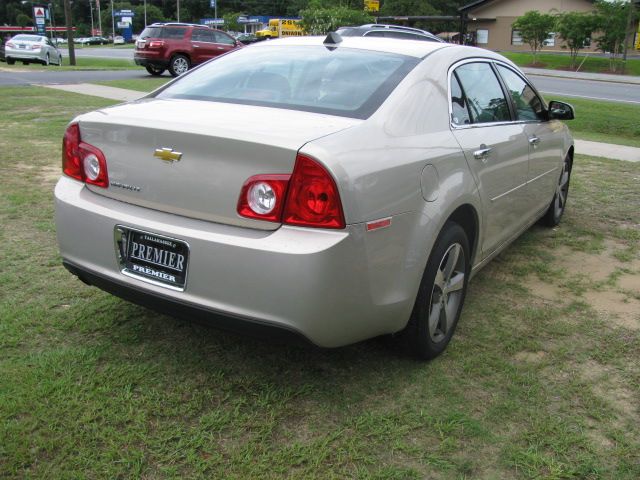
[412, 48]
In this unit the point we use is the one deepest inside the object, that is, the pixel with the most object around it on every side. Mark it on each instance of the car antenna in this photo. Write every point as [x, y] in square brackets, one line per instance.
[332, 41]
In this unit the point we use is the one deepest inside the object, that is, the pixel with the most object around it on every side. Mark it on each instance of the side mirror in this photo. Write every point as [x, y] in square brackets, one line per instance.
[560, 111]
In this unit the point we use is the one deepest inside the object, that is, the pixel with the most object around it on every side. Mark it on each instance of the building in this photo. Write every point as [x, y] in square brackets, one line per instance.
[490, 21]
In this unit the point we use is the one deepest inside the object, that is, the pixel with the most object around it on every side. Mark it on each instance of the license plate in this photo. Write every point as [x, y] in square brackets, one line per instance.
[153, 258]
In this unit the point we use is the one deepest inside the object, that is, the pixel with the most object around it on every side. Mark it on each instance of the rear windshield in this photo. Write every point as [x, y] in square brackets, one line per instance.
[342, 81]
[163, 32]
[27, 38]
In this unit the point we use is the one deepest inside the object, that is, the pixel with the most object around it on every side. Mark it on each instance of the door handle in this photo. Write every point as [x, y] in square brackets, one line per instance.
[482, 153]
[534, 140]
[195, 46]
[220, 48]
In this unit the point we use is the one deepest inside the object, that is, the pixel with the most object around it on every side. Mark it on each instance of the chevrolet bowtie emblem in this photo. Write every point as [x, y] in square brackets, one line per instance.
[167, 154]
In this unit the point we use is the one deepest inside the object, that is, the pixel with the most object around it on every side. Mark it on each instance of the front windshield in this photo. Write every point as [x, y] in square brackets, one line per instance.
[341, 81]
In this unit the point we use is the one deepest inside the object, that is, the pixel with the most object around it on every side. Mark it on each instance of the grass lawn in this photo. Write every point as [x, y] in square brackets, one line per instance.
[542, 379]
[563, 62]
[82, 63]
[139, 84]
[602, 121]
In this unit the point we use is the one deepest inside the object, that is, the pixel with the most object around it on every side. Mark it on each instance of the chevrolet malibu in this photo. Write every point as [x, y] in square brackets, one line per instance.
[332, 189]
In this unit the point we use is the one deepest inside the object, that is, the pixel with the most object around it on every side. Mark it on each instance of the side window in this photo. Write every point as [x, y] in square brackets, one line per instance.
[484, 95]
[528, 104]
[201, 35]
[376, 33]
[459, 109]
[222, 38]
[176, 33]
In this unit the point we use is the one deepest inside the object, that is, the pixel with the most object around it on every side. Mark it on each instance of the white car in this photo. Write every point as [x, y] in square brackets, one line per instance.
[32, 49]
[118, 40]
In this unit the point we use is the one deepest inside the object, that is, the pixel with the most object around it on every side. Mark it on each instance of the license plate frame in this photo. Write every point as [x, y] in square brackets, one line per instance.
[152, 257]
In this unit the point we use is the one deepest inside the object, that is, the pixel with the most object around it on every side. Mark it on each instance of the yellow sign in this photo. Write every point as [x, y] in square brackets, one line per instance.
[372, 5]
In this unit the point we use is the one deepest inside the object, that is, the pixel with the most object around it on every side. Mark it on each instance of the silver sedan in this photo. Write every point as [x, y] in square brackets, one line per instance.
[332, 189]
[32, 49]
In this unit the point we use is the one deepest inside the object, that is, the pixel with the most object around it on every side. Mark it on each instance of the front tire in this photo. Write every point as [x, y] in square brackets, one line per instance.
[46, 61]
[155, 71]
[441, 295]
[178, 65]
[559, 202]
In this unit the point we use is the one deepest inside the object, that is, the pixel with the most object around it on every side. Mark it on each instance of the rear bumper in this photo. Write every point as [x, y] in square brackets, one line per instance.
[330, 287]
[24, 55]
[145, 60]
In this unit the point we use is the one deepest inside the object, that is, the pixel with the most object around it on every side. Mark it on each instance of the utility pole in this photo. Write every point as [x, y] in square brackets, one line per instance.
[69, 22]
[113, 25]
[99, 17]
[91, 14]
[145, 13]
[630, 28]
[178, 11]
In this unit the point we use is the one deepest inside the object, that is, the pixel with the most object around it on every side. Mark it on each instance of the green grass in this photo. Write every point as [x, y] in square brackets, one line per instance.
[602, 121]
[563, 62]
[139, 84]
[95, 387]
[82, 63]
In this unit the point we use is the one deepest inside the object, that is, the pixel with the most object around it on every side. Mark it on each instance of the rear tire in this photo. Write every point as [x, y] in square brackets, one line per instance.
[178, 65]
[155, 71]
[441, 295]
[46, 61]
[559, 202]
[10, 61]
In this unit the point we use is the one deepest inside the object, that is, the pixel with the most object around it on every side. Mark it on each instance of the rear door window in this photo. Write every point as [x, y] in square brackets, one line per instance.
[173, 32]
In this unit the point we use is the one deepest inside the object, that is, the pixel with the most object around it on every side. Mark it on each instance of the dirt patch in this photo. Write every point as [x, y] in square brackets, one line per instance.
[543, 290]
[597, 266]
[48, 174]
[616, 308]
[630, 283]
[530, 357]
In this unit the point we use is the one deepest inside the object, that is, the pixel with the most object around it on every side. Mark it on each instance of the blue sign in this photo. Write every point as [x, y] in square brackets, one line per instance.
[212, 3]
[124, 13]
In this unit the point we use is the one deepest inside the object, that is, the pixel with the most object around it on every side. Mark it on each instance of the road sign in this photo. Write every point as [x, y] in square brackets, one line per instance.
[38, 12]
[212, 3]
[372, 5]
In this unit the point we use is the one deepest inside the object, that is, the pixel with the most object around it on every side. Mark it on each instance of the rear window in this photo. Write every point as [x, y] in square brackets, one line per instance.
[163, 32]
[27, 38]
[342, 81]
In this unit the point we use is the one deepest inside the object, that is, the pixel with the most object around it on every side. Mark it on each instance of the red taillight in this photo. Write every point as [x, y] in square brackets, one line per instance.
[83, 161]
[11, 45]
[307, 198]
[263, 196]
[35, 47]
[156, 44]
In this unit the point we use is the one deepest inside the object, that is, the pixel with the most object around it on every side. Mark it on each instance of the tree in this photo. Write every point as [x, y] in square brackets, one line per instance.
[575, 28]
[534, 28]
[23, 20]
[611, 20]
[318, 21]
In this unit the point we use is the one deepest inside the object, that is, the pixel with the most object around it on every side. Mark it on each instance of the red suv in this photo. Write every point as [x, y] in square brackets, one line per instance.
[179, 46]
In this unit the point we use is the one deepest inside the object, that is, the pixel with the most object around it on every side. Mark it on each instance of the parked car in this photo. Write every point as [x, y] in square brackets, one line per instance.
[118, 40]
[248, 38]
[32, 49]
[388, 31]
[335, 190]
[180, 46]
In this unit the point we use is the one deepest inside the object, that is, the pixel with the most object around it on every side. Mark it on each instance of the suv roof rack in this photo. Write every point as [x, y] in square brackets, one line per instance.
[393, 27]
[176, 24]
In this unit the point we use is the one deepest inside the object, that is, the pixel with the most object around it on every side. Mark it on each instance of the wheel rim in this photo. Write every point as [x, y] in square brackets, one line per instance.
[180, 65]
[446, 296]
[562, 190]
[46, 60]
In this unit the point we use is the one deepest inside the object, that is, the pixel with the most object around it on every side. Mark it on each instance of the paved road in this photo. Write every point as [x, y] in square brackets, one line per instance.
[619, 92]
[52, 76]
[103, 52]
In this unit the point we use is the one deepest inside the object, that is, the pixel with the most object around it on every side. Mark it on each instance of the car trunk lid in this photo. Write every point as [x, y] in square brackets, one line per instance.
[191, 157]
